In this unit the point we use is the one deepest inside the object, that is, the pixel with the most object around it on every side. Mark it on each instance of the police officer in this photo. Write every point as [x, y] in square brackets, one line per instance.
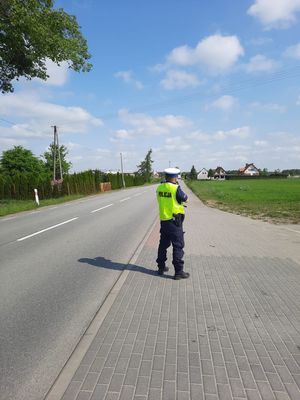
[170, 199]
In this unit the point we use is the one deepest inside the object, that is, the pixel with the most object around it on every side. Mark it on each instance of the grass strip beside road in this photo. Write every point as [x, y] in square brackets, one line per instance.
[14, 206]
[273, 200]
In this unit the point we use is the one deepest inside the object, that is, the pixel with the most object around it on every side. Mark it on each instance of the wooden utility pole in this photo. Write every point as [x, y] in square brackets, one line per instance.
[123, 180]
[56, 146]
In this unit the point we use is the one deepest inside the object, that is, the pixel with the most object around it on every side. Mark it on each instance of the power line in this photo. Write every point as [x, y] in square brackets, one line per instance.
[230, 89]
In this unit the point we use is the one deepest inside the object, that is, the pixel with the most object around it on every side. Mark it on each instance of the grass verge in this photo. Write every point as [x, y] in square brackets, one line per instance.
[273, 200]
[14, 206]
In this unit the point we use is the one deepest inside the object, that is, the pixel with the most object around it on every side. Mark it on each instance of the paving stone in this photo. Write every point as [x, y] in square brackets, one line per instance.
[207, 367]
[84, 396]
[218, 360]
[155, 394]
[258, 372]
[293, 391]
[196, 392]
[99, 392]
[156, 379]
[209, 384]
[131, 376]
[81, 373]
[253, 395]
[221, 375]
[122, 365]
[72, 391]
[116, 383]
[182, 381]
[105, 376]
[90, 381]
[237, 388]
[169, 390]
[112, 396]
[142, 386]
[182, 395]
[224, 392]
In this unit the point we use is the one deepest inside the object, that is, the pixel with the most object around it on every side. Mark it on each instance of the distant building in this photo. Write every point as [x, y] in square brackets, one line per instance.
[203, 175]
[249, 170]
[220, 174]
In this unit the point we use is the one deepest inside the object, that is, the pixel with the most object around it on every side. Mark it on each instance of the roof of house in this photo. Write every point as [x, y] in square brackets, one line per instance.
[243, 169]
[202, 170]
[220, 170]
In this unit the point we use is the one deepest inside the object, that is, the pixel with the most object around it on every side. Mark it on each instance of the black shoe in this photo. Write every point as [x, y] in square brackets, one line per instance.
[181, 275]
[162, 270]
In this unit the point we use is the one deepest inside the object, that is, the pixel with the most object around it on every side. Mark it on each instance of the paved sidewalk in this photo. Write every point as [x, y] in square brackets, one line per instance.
[231, 331]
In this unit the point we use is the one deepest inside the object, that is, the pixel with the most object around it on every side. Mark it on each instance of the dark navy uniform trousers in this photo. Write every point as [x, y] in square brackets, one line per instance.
[170, 233]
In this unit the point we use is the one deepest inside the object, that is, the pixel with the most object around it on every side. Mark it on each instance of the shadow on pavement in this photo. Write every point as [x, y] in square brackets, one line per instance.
[102, 262]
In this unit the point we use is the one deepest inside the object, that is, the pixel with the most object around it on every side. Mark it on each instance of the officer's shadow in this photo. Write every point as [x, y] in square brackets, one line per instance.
[102, 262]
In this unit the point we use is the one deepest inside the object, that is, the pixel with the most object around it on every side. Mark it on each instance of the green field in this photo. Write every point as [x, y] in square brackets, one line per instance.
[274, 200]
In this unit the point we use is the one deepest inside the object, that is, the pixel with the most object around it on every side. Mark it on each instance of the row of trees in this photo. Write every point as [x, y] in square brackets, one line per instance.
[21, 172]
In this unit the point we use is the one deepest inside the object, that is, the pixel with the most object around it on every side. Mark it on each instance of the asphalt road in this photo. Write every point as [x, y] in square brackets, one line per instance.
[56, 267]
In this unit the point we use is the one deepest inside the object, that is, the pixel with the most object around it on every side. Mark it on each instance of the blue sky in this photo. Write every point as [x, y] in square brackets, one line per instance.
[204, 83]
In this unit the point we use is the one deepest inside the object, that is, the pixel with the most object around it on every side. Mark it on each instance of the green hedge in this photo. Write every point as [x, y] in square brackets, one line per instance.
[21, 186]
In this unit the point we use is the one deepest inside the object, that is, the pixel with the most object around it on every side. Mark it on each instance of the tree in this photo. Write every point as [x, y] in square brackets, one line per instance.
[145, 167]
[49, 159]
[193, 173]
[264, 172]
[210, 173]
[32, 31]
[20, 160]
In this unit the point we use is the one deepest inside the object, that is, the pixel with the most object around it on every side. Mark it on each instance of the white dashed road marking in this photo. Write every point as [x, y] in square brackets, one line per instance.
[102, 208]
[46, 229]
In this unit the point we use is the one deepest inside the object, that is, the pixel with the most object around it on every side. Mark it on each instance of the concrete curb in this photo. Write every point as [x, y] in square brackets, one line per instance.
[65, 376]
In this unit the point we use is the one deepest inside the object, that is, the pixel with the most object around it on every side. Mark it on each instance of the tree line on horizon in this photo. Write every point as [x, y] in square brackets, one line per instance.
[192, 174]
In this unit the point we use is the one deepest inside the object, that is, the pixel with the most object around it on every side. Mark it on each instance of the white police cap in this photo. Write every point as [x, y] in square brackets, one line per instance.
[173, 172]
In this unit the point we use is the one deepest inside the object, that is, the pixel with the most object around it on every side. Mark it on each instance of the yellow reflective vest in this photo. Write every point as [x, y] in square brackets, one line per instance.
[167, 202]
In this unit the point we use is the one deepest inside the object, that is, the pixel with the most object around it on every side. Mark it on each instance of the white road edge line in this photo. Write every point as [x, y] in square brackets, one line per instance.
[46, 229]
[137, 194]
[292, 230]
[7, 219]
[126, 198]
[101, 208]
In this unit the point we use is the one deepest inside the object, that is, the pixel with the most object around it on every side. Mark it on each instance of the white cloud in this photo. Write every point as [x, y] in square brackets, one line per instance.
[58, 74]
[260, 41]
[38, 115]
[261, 63]
[261, 143]
[241, 133]
[217, 53]
[200, 136]
[293, 51]
[225, 103]
[127, 77]
[145, 125]
[279, 108]
[176, 143]
[122, 134]
[275, 13]
[179, 80]
[7, 143]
